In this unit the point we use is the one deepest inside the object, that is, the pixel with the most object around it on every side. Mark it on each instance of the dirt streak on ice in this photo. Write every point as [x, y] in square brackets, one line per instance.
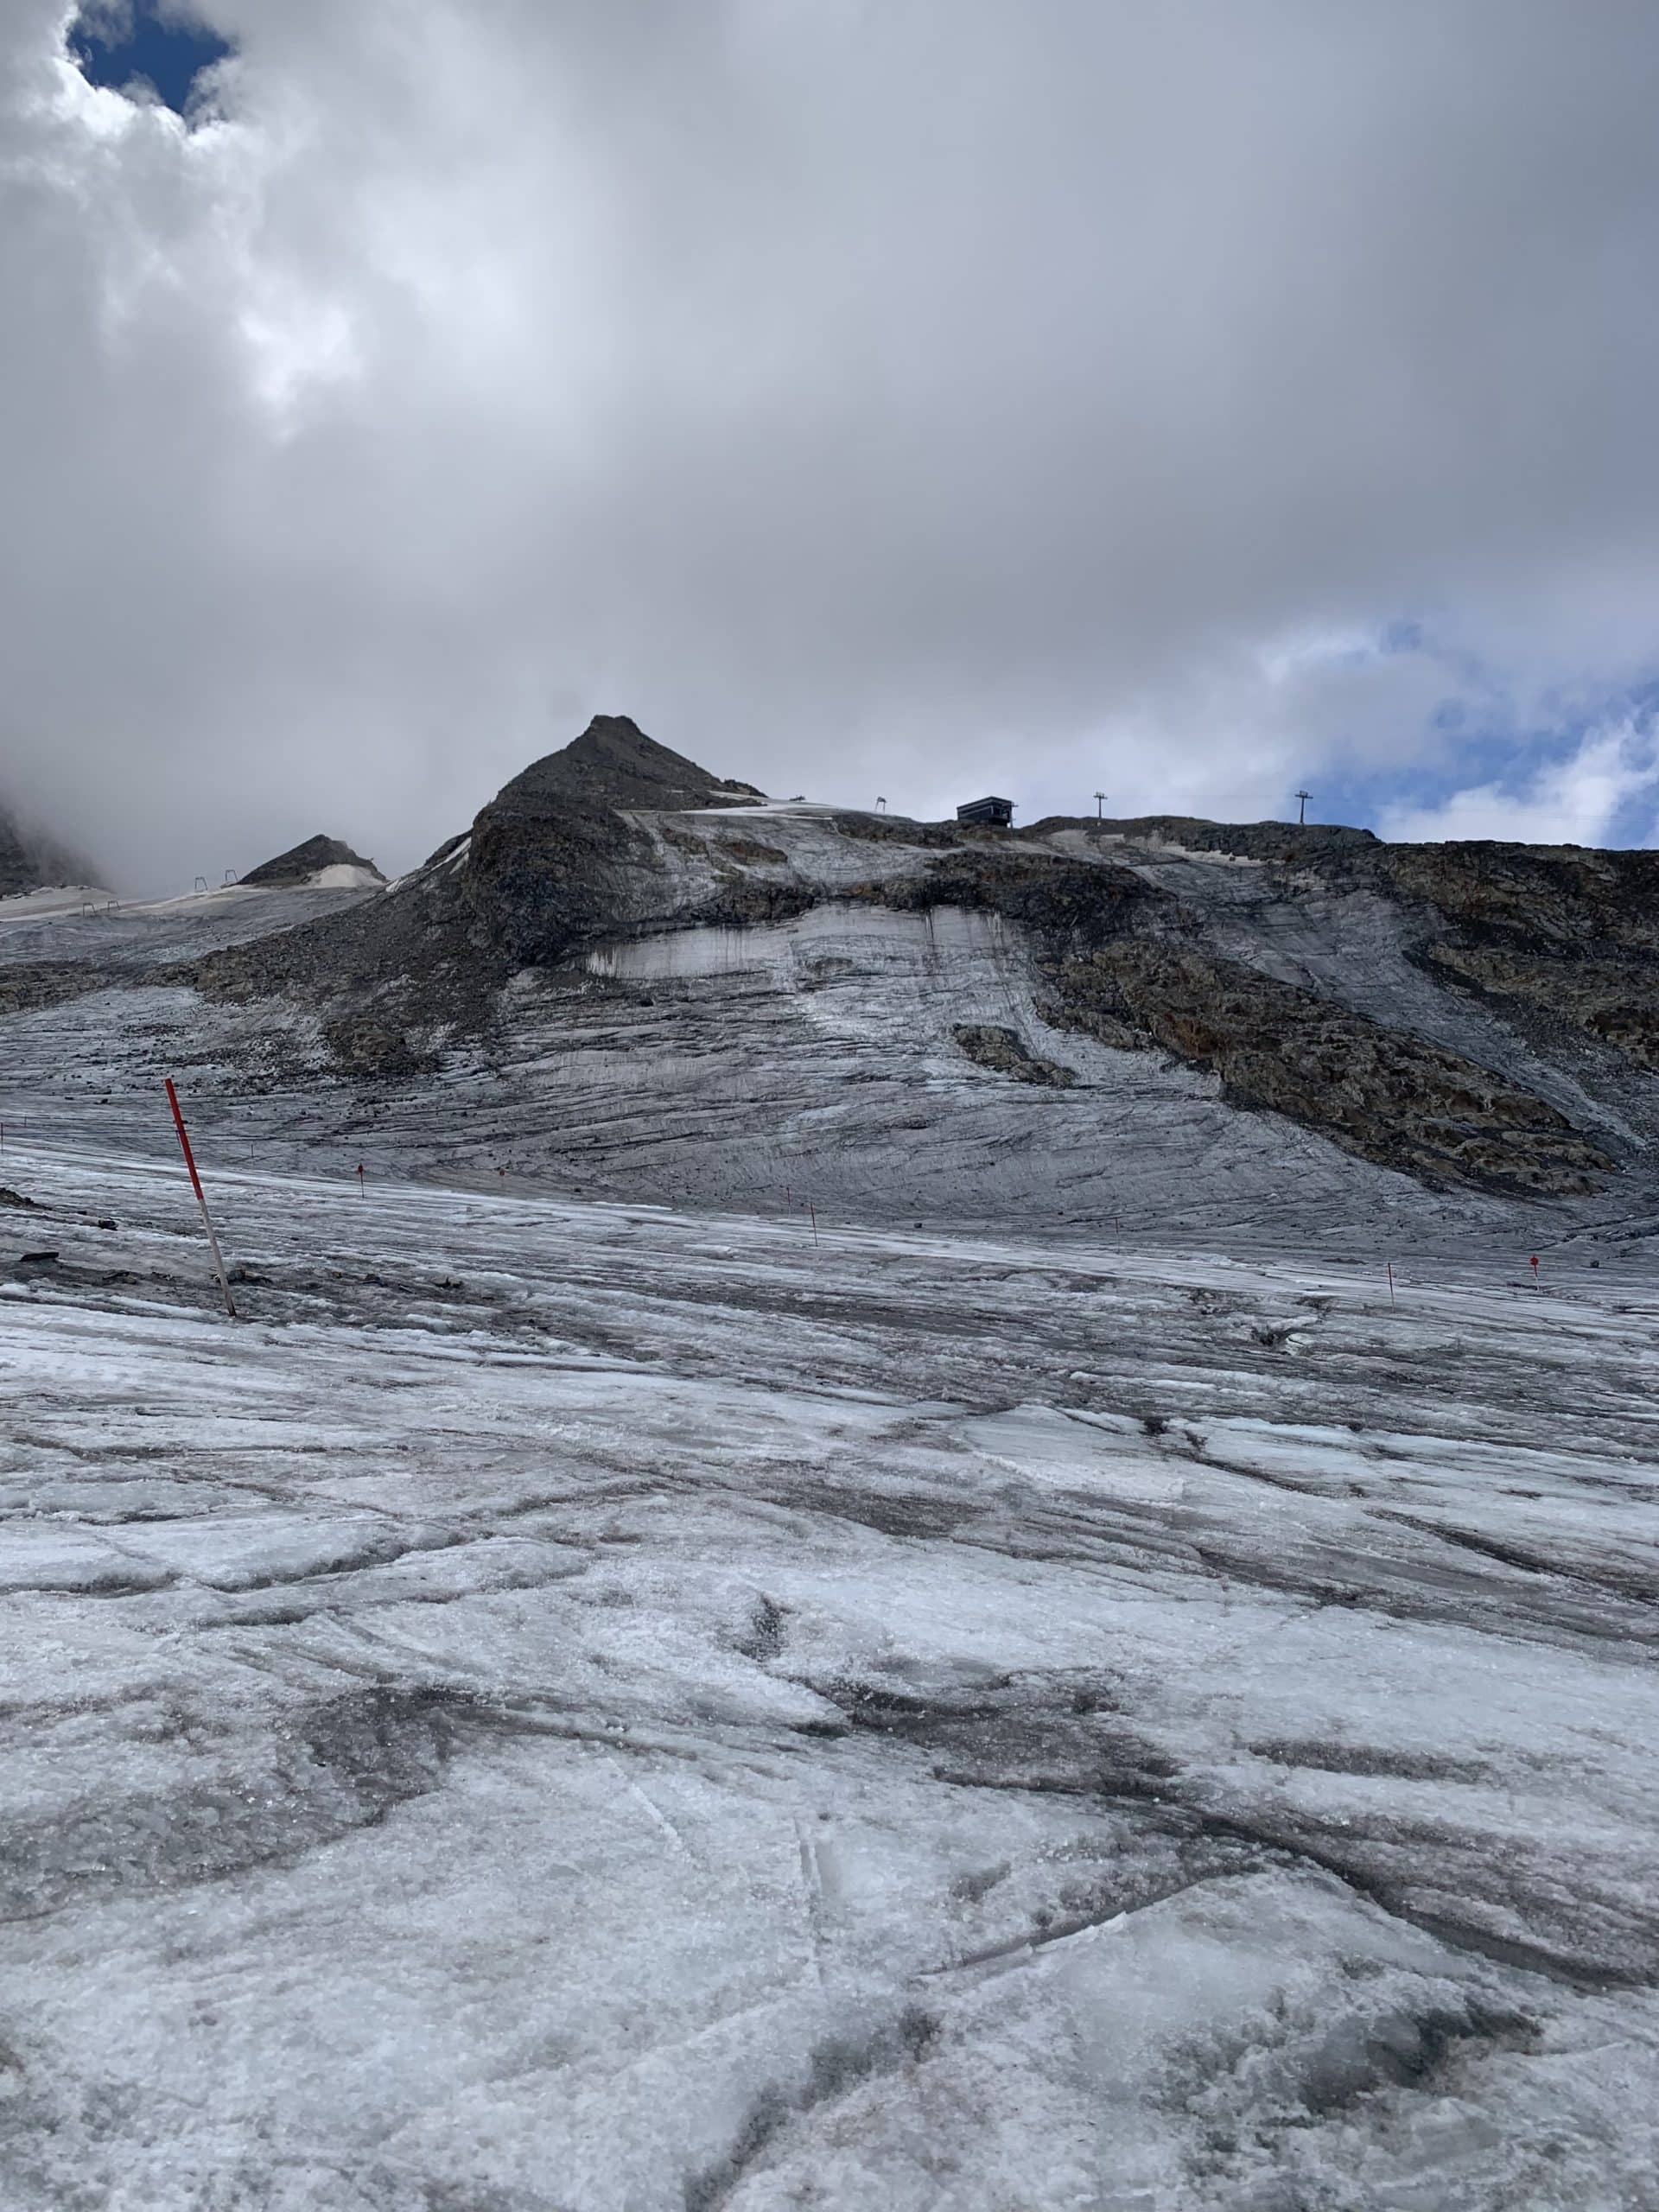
[599, 1707]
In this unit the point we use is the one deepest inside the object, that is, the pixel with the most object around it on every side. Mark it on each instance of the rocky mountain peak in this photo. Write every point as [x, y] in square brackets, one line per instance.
[554, 852]
[614, 763]
[1475, 1018]
[301, 862]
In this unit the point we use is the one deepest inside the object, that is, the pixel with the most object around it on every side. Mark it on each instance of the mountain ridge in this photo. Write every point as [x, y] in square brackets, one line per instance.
[1479, 1019]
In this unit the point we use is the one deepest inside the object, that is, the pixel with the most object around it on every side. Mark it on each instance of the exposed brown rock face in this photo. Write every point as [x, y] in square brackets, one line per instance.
[898, 829]
[378, 1048]
[1003, 1053]
[1572, 936]
[1553, 896]
[1069, 902]
[1616, 1001]
[1123, 959]
[1380, 1093]
[745, 901]
[750, 852]
[302, 861]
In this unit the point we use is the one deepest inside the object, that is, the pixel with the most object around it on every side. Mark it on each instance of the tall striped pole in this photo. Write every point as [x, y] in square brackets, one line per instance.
[201, 1199]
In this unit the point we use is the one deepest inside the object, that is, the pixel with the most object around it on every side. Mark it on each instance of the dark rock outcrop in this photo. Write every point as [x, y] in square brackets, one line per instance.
[1067, 903]
[31, 860]
[554, 857]
[1567, 937]
[612, 764]
[29, 985]
[301, 862]
[749, 852]
[1124, 962]
[1549, 898]
[1290, 844]
[1003, 1052]
[393, 966]
[552, 863]
[1382, 1094]
[366, 1046]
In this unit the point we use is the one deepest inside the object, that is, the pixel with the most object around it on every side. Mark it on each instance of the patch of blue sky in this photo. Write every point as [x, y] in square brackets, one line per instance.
[114, 46]
[1504, 759]
[1478, 737]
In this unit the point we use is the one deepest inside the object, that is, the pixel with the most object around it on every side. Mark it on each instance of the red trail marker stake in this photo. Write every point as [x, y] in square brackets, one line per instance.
[359, 1179]
[201, 1199]
[1535, 1269]
[1390, 1283]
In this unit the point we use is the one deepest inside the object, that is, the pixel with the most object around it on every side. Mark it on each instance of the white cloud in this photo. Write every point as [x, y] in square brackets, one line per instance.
[1573, 801]
[866, 398]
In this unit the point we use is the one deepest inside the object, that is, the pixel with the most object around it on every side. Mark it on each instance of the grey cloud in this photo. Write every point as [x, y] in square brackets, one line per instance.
[866, 397]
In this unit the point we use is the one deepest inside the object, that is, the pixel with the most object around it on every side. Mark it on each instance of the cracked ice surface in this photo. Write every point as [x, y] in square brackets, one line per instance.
[596, 1707]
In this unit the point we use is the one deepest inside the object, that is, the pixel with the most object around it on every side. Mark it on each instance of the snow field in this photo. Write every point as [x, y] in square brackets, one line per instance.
[603, 1706]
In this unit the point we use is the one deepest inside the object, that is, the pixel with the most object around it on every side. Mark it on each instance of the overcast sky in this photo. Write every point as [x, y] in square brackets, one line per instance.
[908, 397]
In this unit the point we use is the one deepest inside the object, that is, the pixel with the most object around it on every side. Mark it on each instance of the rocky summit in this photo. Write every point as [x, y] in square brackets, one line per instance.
[302, 863]
[635, 976]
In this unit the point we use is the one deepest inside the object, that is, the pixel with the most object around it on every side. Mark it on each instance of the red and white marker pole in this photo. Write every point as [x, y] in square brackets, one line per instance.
[201, 1199]
[359, 1179]
[1535, 1269]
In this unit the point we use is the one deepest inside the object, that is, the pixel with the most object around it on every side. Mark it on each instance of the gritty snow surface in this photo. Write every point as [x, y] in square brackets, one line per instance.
[570, 1708]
